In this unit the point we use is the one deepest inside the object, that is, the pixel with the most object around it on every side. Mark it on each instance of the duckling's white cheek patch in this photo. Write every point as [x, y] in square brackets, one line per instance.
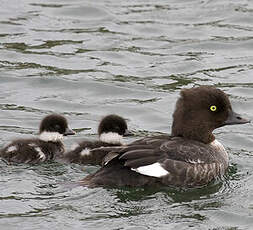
[51, 136]
[155, 170]
[111, 138]
[85, 152]
[12, 148]
[41, 154]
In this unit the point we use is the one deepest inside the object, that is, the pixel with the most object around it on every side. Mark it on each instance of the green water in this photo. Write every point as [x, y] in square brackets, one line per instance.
[86, 59]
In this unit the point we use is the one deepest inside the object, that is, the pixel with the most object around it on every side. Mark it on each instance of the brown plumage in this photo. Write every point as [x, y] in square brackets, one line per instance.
[111, 130]
[190, 157]
[45, 147]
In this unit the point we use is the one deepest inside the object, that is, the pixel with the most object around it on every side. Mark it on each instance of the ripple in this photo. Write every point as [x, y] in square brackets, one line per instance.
[86, 60]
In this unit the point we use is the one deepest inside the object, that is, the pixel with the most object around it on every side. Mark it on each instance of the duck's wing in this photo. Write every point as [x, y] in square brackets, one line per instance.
[88, 152]
[162, 157]
[80, 153]
[113, 152]
[166, 161]
[25, 151]
[151, 139]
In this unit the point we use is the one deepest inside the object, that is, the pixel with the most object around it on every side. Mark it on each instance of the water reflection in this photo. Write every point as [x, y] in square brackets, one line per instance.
[86, 60]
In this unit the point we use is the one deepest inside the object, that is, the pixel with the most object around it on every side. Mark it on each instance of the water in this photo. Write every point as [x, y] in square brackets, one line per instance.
[86, 59]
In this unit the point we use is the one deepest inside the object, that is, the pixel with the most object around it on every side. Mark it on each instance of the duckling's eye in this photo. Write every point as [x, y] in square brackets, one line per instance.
[117, 128]
[57, 127]
[213, 108]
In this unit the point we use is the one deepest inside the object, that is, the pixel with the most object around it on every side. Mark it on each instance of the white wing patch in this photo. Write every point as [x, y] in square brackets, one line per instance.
[155, 170]
[111, 138]
[12, 148]
[50, 136]
[74, 146]
[41, 154]
[85, 152]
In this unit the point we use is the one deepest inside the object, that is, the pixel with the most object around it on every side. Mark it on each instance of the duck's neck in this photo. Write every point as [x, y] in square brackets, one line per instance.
[193, 133]
[186, 125]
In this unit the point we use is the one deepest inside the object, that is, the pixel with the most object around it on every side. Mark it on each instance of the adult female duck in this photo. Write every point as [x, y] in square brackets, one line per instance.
[190, 157]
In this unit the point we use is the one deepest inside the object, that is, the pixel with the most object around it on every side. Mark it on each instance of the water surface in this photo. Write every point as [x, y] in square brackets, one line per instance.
[86, 59]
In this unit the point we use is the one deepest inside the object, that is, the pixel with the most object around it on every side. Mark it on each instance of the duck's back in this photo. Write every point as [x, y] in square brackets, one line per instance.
[87, 152]
[31, 151]
[162, 160]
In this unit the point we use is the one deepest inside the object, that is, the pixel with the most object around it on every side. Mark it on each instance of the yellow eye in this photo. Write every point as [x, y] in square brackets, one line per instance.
[213, 108]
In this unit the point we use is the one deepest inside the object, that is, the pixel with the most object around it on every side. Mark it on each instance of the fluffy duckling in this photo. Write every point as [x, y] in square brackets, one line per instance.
[45, 147]
[111, 131]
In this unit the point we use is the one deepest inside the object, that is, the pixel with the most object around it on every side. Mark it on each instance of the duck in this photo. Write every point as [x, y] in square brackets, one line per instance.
[47, 146]
[111, 130]
[189, 157]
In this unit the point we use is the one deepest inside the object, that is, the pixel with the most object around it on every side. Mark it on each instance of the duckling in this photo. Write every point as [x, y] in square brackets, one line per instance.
[111, 130]
[43, 148]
